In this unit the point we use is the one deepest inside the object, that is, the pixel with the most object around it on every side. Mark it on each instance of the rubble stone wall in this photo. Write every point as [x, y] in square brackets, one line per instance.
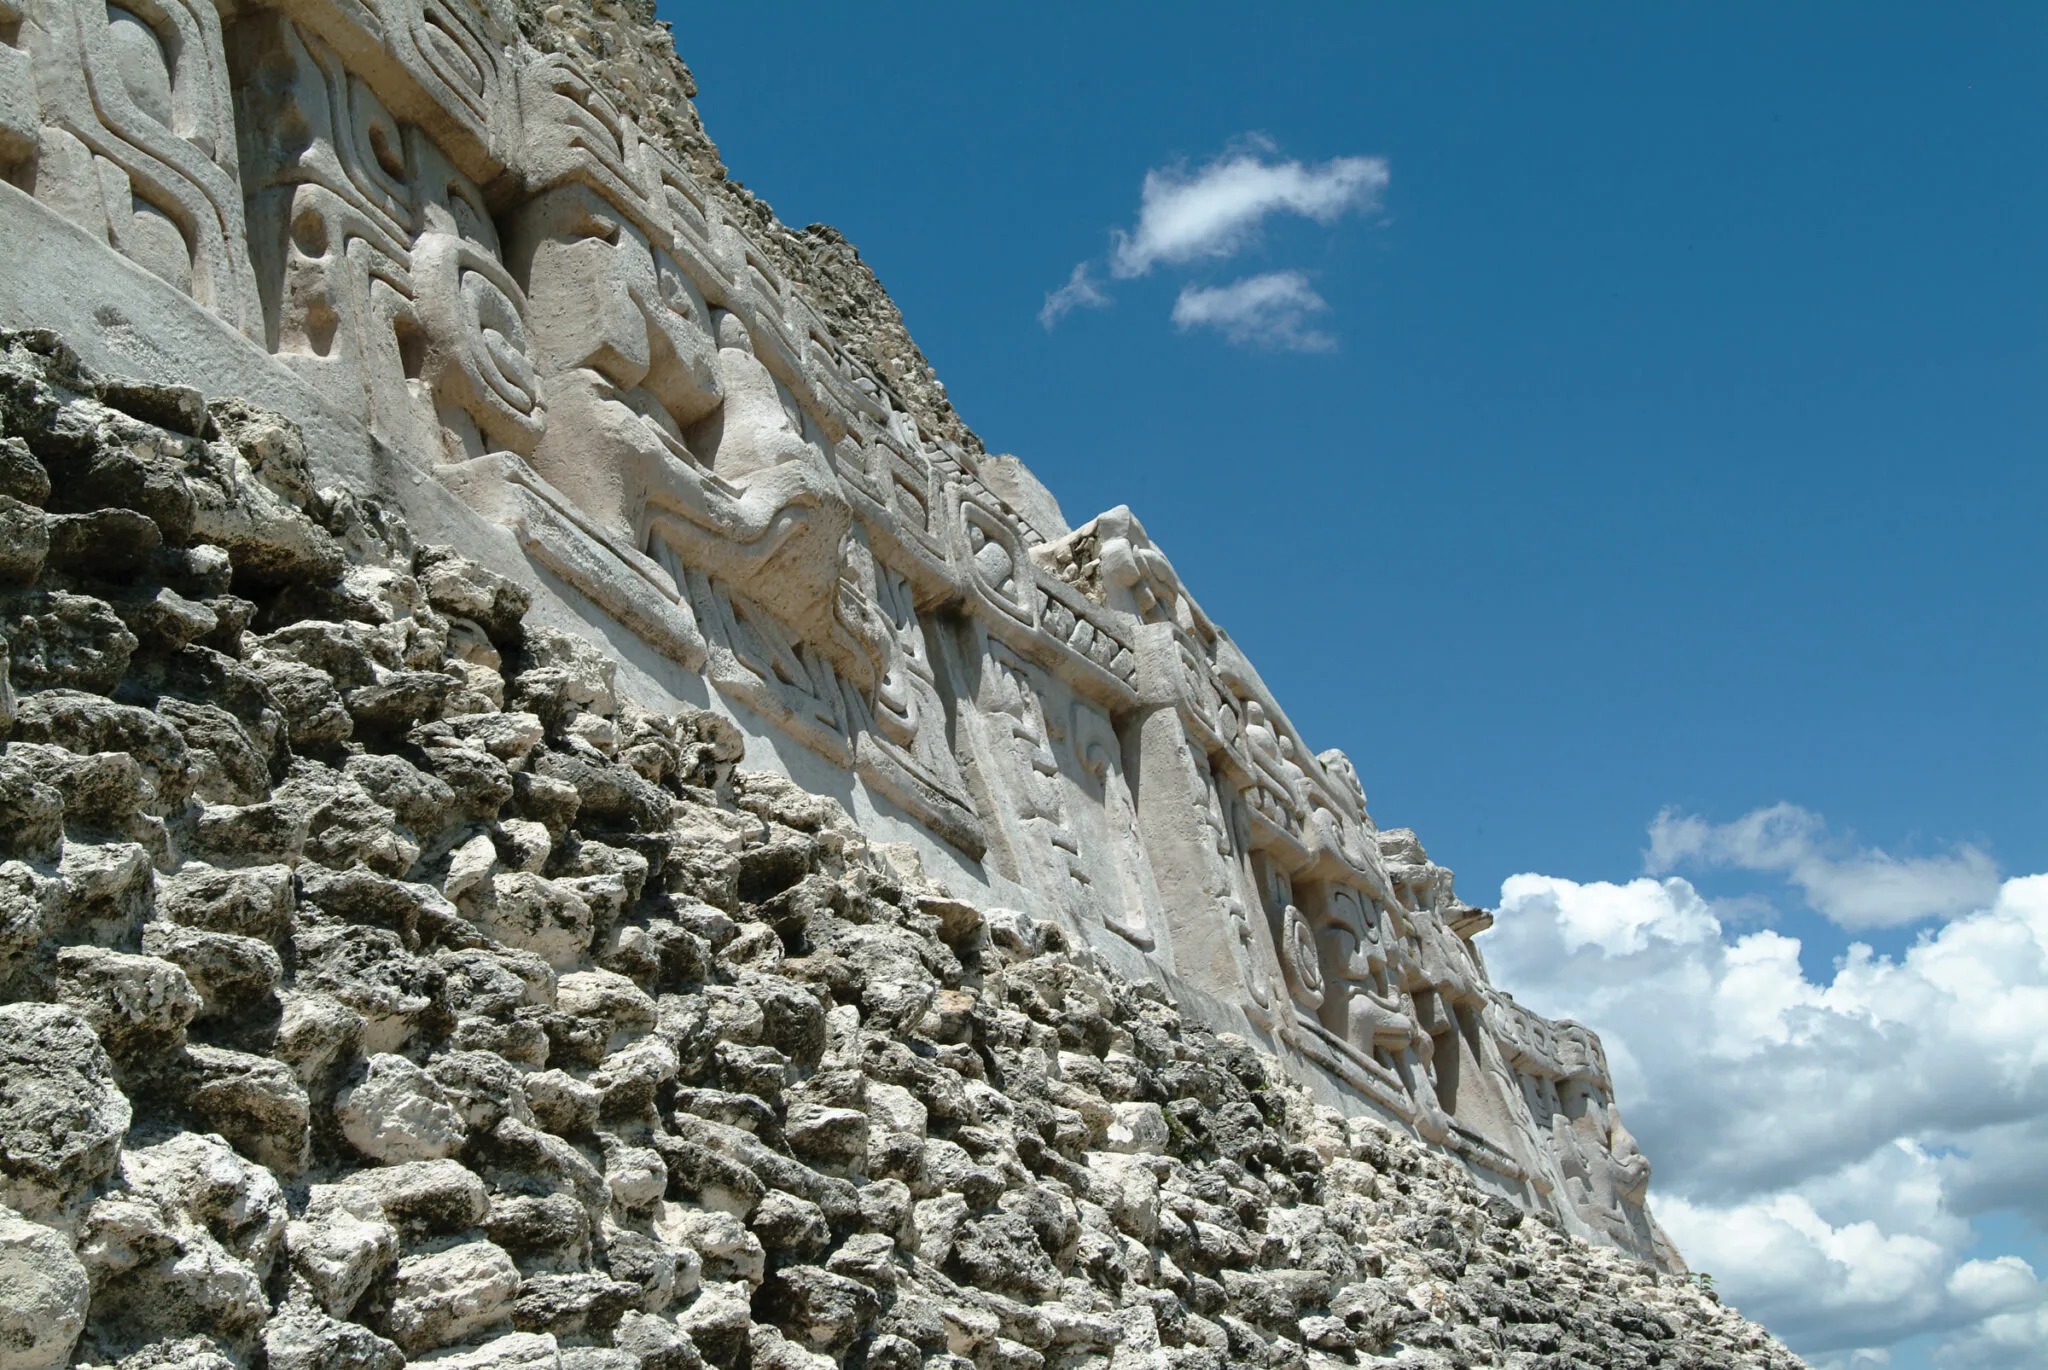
[423, 479]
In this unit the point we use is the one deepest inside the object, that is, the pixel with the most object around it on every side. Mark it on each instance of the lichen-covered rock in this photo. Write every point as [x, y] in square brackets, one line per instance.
[182, 1246]
[341, 1243]
[539, 915]
[255, 1102]
[87, 724]
[62, 1116]
[31, 814]
[138, 1006]
[428, 1197]
[236, 977]
[460, 588]
[255, 901]
[44, 1293]
[300, 1338]
[59, 640]
[103, 791]
[398, 1113]
[439, 1298]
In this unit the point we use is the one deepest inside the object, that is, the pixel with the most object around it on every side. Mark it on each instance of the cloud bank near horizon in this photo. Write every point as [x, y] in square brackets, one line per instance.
[1822, 1143]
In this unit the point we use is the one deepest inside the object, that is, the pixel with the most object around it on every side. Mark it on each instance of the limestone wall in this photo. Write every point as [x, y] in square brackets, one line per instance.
[378, 986]
[484, 261]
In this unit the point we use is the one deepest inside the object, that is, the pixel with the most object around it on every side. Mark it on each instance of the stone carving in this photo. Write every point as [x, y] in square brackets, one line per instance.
[1358, 944]
[136, 141]
[1021, 787]
[1129, 901]
[381, 985]
[482, 255]
[908, 754]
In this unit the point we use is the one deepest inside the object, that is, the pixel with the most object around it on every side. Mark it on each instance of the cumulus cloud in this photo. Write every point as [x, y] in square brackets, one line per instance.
[1270, 310]
[1856, 887]
[1999, 1342]
[1821, 1143]
[1852, 1284]
[1080, 292]
[1216, 210]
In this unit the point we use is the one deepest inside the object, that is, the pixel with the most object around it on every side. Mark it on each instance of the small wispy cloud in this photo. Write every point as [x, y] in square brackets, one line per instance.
[1270, 310]
[1080, 292]
[1217, 209]
[1214, 211]
[1855, 887]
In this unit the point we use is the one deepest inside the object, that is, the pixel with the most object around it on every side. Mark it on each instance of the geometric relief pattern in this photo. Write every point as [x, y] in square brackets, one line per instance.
[478, 255]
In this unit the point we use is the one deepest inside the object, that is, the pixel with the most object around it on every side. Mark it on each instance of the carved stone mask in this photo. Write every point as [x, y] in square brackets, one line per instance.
[586, 268]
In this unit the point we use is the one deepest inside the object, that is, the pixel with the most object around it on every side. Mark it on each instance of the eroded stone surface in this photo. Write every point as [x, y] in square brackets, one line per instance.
[396, 962]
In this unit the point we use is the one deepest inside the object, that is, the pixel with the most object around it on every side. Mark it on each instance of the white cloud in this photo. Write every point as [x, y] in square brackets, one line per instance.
[1862, 1358]
[1270, 310]
[1080, 292]
[2000, 1342]
[1849, 1283]
[2004, 1168]
[1212, 212]
[1820, 1142]
[1215, 211]
[1857, 887]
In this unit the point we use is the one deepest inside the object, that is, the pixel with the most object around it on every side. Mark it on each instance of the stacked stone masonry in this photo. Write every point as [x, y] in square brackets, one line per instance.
[424, 478]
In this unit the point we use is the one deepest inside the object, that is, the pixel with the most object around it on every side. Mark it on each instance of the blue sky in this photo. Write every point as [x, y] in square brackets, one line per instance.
[1671, 438]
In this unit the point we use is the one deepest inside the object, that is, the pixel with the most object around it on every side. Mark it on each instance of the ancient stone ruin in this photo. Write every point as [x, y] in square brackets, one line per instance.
[558, 810]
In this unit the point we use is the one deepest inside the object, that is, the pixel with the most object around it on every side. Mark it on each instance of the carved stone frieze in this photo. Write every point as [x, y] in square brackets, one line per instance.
[502, 296]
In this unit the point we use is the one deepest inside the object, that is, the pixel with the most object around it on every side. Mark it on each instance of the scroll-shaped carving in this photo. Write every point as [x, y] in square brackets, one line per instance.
[1072, 621]
[1339, 828]
[696, 227]
[1250, 931]
[895, 491]
[1443, 963]
[636, 591]
[377, 259]
[1262, 998]
[1197, 694]
[912, 492]
[1303, 961]
[1276, 789]
[852, 396]
[570, 132]
[1369, 1010]
[665, 427]
[757, 446]
[138, 145]
[1606, 1175]
[1136, 576]
[21, 116]
[622, 367]
[439, 64]
[451, 49]
[478, 360]
[990, 554]
[332, 212]
[1300, 962]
